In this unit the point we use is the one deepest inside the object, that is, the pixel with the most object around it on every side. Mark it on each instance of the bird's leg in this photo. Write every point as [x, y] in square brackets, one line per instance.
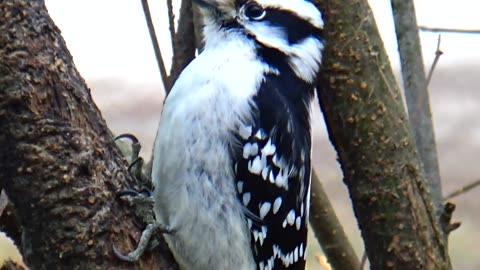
[144, 242]
[142, 202]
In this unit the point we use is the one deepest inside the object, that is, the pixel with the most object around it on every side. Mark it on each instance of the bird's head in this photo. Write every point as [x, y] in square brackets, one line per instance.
[280, 29]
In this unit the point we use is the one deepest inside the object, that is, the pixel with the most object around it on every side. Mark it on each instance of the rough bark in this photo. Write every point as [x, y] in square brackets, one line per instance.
[369, 128]
[329, 231]
[416, 93]
[58, 162]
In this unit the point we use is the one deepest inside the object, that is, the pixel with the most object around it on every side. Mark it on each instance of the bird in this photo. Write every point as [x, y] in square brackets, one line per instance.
[232, 156]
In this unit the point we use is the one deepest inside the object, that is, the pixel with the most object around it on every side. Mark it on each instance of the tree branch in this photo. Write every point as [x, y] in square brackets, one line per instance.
[463, 189]
[367, 124]
[438, 53]
[171, 21]
[184, 43]
[449, 30]
[416, 93]
[156, 46]
[329, 231]
[59, 164]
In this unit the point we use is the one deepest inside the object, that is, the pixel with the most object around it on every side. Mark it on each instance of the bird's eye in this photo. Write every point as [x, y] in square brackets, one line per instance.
[254, 11]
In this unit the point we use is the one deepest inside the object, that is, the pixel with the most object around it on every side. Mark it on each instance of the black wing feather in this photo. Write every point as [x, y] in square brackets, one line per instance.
[277, 142]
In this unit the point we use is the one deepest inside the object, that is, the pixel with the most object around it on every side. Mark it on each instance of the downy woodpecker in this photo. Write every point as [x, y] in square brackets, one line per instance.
[232, 165]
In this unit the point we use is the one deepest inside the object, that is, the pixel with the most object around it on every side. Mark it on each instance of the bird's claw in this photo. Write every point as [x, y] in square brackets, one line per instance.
[136, 162]
[144, 241]
[136, 146]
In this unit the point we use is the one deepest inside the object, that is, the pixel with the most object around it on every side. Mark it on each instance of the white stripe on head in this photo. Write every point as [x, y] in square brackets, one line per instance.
[305, 58]
[304, 9]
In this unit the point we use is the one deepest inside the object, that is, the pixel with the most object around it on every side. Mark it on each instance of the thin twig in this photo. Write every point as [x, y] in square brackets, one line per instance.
[449, 30]
[462, 190]
[156, 46]
[438, 53]
[416, 93]
[171, 21]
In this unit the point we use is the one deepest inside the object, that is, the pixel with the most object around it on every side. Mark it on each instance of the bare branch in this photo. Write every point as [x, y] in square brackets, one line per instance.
[156, 46]
[449, 30]
[416, 94]
[171, 21]
[367, 124]
[198, 26]
[462, 190]
[184, 45]
[438, 53]
[329, 231]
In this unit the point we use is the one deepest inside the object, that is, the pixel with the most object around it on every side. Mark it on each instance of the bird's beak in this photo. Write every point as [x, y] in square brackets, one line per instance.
[209, 4]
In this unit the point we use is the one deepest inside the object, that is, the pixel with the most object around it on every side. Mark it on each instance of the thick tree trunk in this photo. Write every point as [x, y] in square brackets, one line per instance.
[58, 162]
[368, 126]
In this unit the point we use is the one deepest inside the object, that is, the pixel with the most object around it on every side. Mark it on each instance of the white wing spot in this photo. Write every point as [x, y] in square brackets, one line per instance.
[298, 222]
[276, 204]
[264, 209]
[264, 231]
[291, 217]
[254, 149]
[295, 254]
[301, 250]
[284, 224]
[271, 262]
[240, 186]
[255, 235]
[245, 132]
[250, 149]
[246, 150]
[246, 198]
[260, 134]
[255, 166]
[269, 148]
[249, 223]
[261, 237]
[271, 177]
[281, 179]
[265, 173]
[276, 161]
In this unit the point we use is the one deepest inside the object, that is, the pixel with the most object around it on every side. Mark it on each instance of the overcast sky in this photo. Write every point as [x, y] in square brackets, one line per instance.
[109, 38]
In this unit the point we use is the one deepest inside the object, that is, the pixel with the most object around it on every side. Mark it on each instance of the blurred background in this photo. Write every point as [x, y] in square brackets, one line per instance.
[111, 47]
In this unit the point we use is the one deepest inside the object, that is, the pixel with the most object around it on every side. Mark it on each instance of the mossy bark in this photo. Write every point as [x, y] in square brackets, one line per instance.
[368, 126]
[58, 162]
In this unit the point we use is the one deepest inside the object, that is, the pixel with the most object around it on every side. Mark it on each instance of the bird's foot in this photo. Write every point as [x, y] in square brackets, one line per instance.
[136, 162]
[144, 243]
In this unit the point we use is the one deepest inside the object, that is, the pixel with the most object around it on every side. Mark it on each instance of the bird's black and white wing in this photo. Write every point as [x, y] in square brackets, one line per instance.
[272, 174]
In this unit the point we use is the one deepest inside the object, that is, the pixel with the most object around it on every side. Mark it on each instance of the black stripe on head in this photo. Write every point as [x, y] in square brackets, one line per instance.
[296, 27]
[274, 57]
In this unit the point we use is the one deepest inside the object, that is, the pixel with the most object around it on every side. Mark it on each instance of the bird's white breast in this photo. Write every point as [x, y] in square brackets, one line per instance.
[192, 168]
